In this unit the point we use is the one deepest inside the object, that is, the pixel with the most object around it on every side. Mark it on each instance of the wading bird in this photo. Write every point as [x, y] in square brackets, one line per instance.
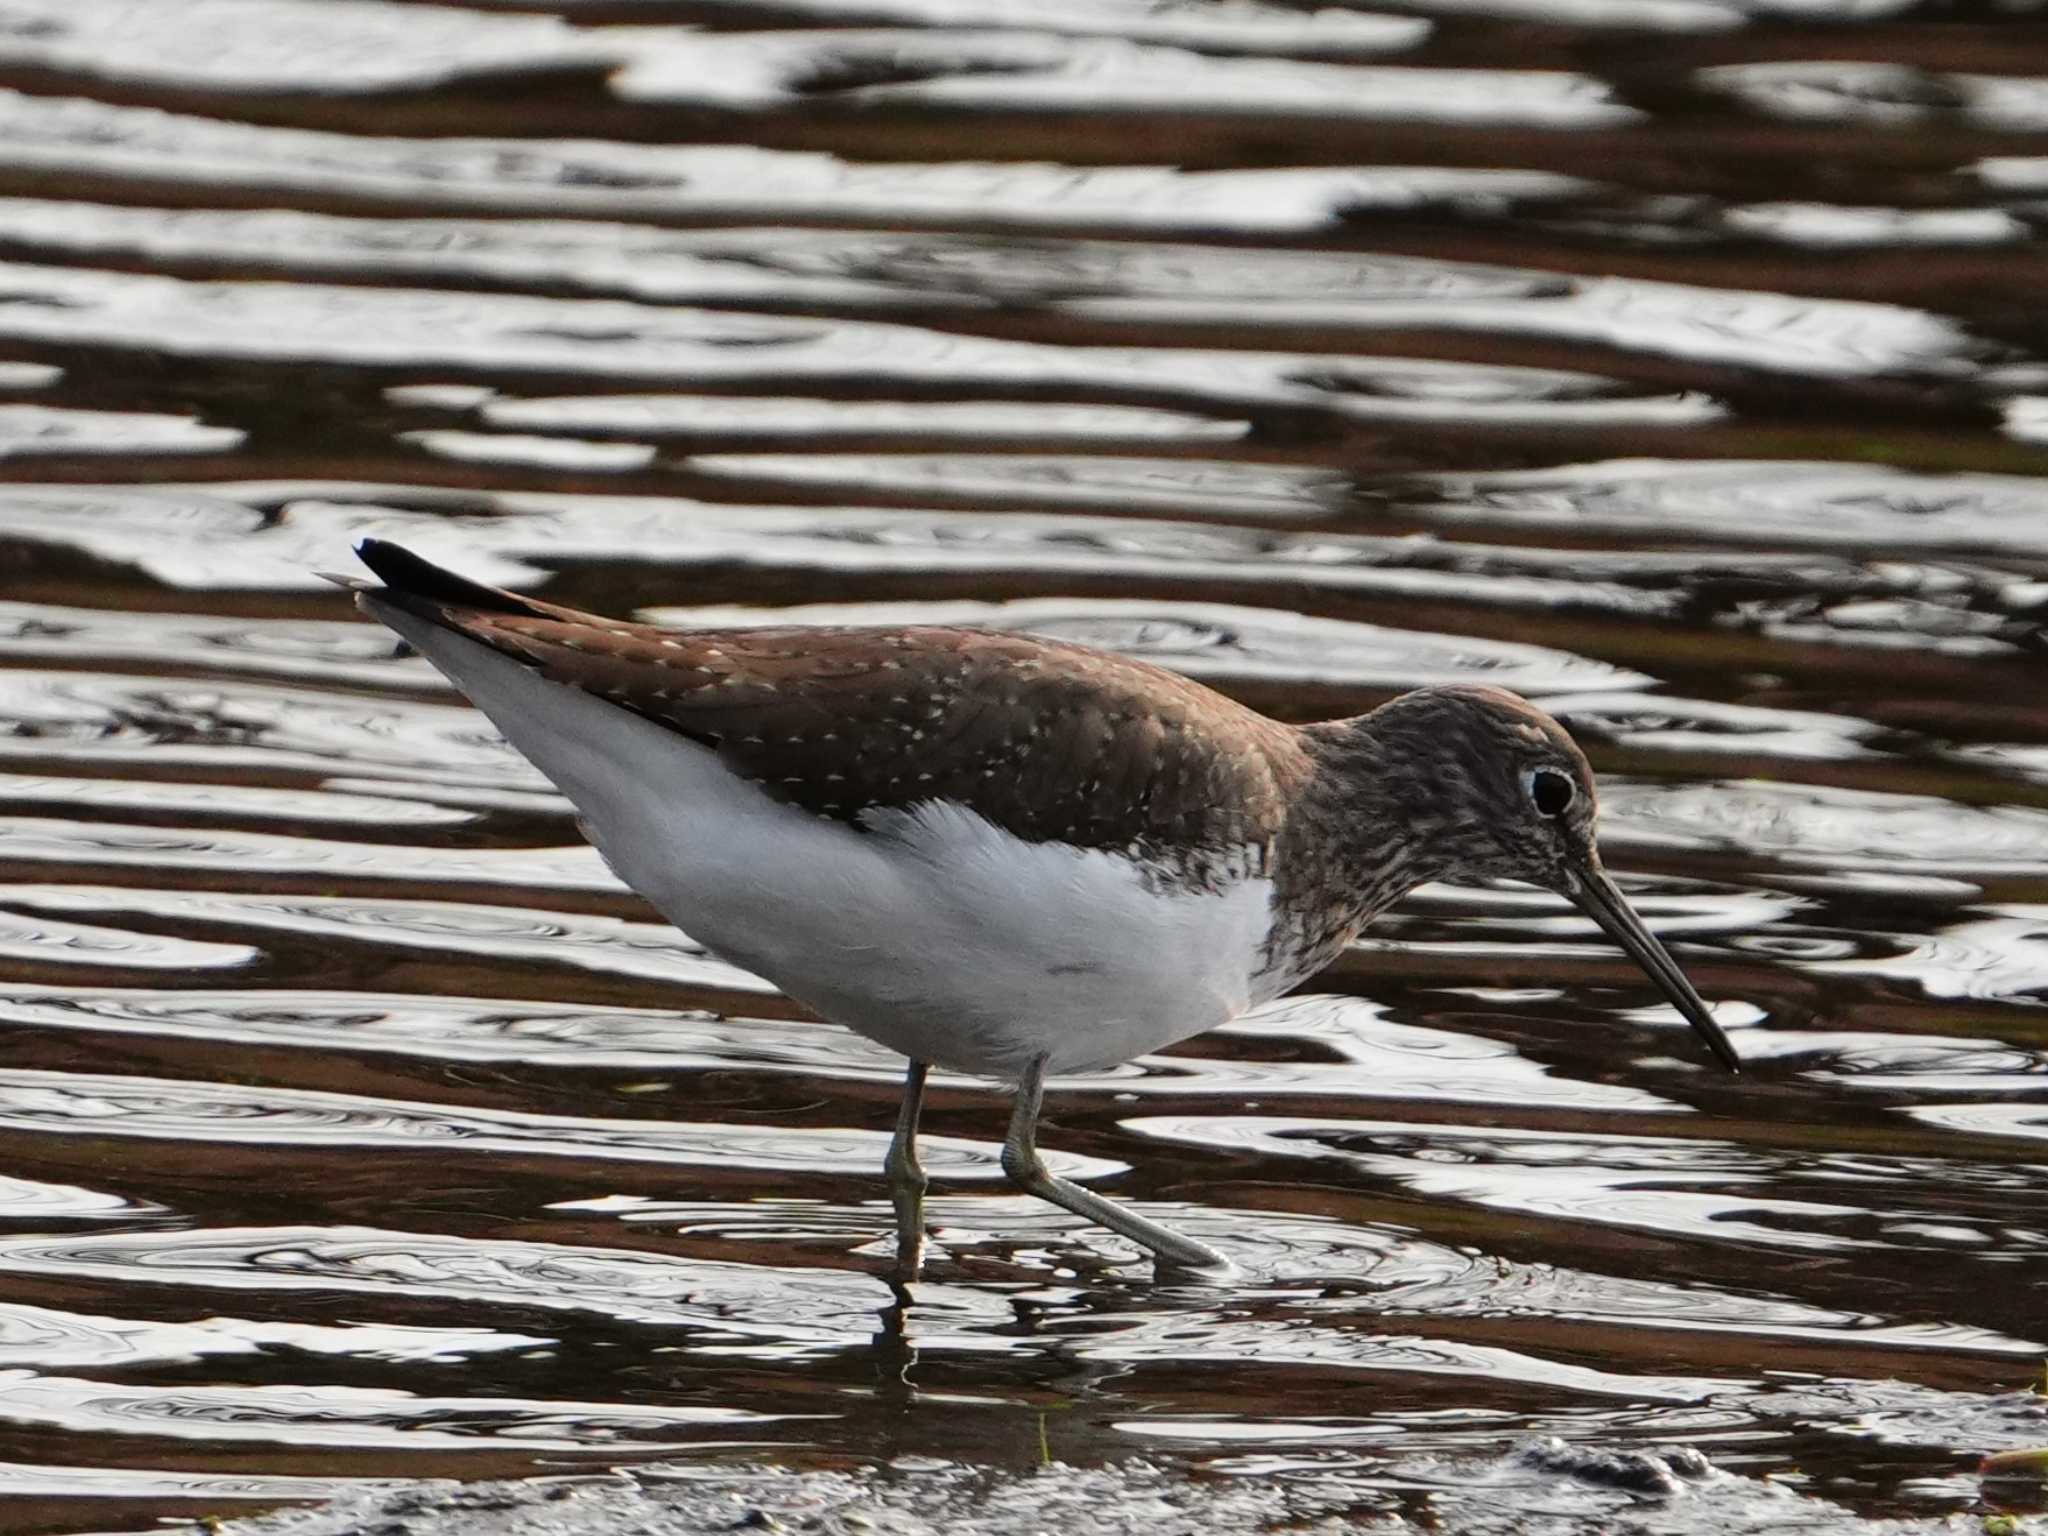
[1005, 855]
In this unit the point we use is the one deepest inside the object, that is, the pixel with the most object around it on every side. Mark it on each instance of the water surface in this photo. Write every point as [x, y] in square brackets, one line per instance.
[1679, 363]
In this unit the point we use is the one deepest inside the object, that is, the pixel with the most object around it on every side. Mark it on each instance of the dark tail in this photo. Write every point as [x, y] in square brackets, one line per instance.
[418, 586]
[406, 575]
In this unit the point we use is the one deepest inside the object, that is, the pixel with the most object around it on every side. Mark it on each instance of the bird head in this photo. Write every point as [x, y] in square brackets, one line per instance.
[1500, 791]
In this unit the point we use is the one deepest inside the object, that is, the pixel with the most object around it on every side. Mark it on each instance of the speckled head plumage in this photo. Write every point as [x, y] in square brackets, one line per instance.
[1482, 785]
[1495, 787]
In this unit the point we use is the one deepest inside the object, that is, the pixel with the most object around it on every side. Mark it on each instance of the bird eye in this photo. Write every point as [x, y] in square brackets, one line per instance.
[1551, 791]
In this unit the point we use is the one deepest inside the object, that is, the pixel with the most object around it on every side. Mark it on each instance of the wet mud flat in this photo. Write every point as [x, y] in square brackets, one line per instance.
[1544, 1488]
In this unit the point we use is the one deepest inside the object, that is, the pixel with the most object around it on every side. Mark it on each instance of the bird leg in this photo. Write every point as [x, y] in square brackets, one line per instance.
[906, 1175]
[1028, 1172]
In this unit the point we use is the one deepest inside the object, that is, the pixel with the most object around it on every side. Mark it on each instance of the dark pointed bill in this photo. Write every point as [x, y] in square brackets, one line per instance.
[1603, 902]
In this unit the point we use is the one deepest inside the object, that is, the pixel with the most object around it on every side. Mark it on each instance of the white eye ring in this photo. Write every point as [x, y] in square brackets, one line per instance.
[1550, 791]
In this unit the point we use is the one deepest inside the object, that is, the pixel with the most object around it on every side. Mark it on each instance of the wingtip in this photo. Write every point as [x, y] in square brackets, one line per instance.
[394, 564]
[414, 582]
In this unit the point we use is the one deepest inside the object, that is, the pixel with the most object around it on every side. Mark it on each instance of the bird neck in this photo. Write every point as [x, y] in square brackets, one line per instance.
[1376, 813]
[1348, 849]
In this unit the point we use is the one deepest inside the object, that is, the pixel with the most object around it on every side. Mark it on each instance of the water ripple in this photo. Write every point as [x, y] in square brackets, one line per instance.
[27, 430]
[1997, 953]
[329, 1416]
[1776, 503]
[612, 339]
[52, 941]
[814, 419]
[1229, 288]
[1663, 722]
[45, 1338]
[78, 137]
[24, 1481]
[32, 1200]
[819, 1307]
[1023, 71]
[1832, 827]
[1688, 381]
[49, 839]
[283, 44]
[1637, 1183]
[438, 1027]
[1386, 1059]
[159, 1109]
[1244, 26]
[212, 800]
[1319, 1272]
[1032, 480]
[529, 528]
[230, 724]
[653, 951]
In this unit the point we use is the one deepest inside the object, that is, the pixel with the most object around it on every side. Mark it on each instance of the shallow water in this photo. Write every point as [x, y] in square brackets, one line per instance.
[1679, 363]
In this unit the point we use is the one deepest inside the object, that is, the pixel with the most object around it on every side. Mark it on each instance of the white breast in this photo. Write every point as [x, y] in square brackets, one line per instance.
[1016, 949]
[933, 931]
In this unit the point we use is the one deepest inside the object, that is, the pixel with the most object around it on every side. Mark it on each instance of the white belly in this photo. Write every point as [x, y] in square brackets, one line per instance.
[933, 932]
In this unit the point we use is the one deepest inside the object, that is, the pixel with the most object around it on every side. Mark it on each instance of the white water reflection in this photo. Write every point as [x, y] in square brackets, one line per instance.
[45, 1338]
[157, 1109]
[667, 1042]
[303, 45]
[2024, 1120]
[1773, 503]
[1361, 1053]
[1303, 1272]
[1632, 1182]
[534, 451]
[26, 376]
[799, 417]
[218, 800]
[1392, 1060]
[1235, 288]
[80, 137]
[229, 724]
[1830, 226]
[1920, 1063]
[314, 521]
[1223, 26]
[617, 946]
[34, 1200]
[111, 844]
[23, 1480]
[1661, 722]
[1882, 93]
[1998, 953]
[616, 340]
[306, 650]
[43, 941]
[30, 430]
[1832, 827]
[1036, 480]
[329, 1416]
[820, 1307]
[1036, 71]
[335, 46]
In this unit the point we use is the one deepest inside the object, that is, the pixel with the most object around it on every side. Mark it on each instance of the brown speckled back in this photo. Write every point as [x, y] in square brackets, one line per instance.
[1053, 742]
